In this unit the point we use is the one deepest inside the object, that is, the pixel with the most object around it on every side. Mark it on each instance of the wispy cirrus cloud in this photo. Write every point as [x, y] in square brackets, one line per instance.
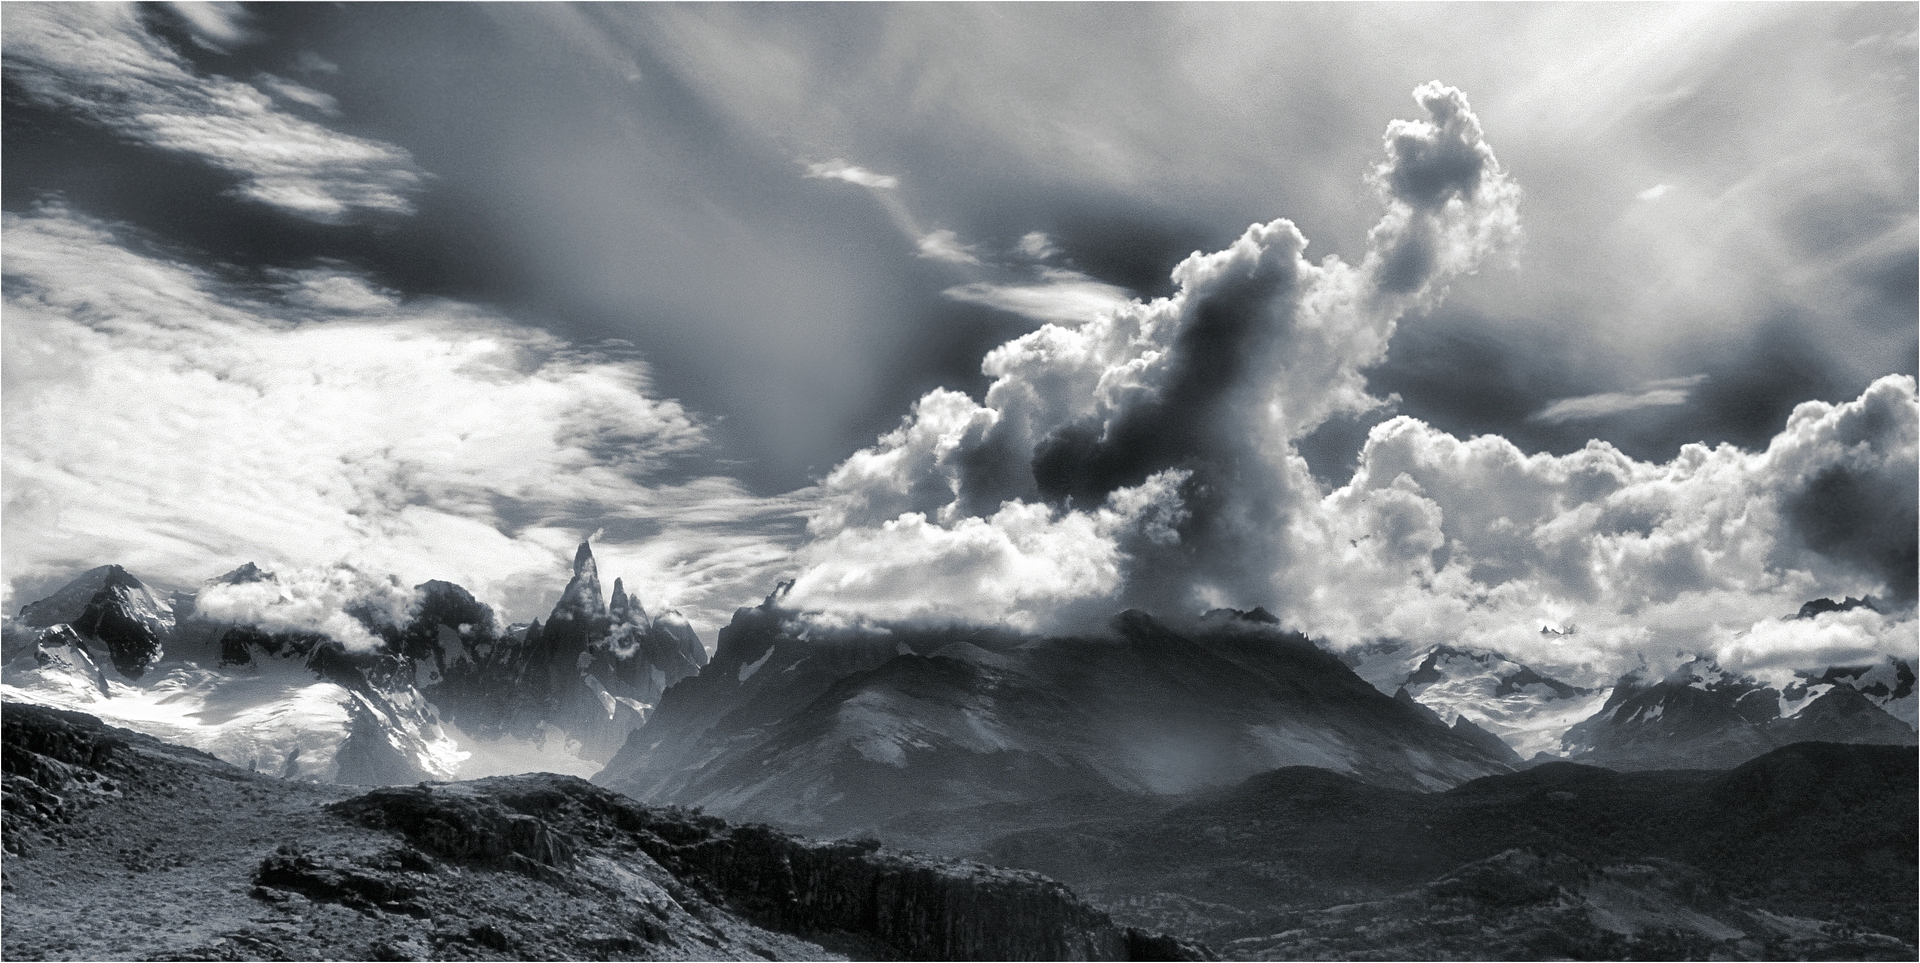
[180, 424]
[1059, 297]
[99, 62]
[840, 170]
[1655, 394]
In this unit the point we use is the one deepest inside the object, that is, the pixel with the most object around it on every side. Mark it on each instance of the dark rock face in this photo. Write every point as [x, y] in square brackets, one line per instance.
[908, 907]
[1819, 607]
[845, 730]
[51, 762]
[107, 606]
[1705, 717]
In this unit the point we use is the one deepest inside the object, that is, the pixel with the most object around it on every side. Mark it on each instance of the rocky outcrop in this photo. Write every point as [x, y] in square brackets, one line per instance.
[904, 906]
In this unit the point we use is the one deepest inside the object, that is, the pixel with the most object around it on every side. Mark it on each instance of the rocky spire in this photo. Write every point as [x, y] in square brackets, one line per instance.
[617, 604]
[582, 599]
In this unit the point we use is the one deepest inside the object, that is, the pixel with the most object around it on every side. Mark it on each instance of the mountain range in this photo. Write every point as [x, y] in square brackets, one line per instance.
[841, 729]
[262, 691]
[1217, 778]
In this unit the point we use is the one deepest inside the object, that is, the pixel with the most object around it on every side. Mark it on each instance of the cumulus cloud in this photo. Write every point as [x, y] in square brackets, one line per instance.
[312, 600]
[1658, 394]
[99, 62]
[1439, 538]
[180, 424]
[1257, 347]
[1145, 454]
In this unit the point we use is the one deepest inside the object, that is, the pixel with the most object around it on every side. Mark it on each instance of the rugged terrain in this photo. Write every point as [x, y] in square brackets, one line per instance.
[840, 730]
[1806, 852]
[123, 847]
[389, 686]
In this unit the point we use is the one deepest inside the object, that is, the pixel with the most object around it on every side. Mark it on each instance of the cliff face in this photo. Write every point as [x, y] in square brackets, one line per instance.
[851, 894]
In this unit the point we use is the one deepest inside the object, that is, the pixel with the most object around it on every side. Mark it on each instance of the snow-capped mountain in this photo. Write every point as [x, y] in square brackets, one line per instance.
[124, 621]
[1701, 715]
[1527, 710]
[391, 690]
[843, 728]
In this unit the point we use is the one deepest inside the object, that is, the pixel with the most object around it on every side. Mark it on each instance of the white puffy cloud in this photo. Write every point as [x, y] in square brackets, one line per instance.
[311, 600]
[98, 61]
[1144, 453]
[1699, 554]
[180, 425]
[1257, 347]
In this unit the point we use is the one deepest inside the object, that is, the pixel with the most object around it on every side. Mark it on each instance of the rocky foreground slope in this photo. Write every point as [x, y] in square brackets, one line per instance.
[123, 847]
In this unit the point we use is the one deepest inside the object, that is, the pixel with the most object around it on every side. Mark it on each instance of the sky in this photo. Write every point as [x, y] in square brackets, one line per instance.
[1436, 322]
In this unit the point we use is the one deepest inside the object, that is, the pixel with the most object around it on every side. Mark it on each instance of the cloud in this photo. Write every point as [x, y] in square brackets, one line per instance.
[99, 62]
[312, 600]
[1656, 192]
[217, 26]
[1061, 297]
[840, 170]
[1439, 538]
[304, 96]
[179, 424]
[1210, 385]
[1036, 245]
[1659, 394]
[1146, 454]
[945, 245]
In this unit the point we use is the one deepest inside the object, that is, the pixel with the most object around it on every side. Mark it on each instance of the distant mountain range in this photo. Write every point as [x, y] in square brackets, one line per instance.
[807, 724]
[1217, 778]
[841, 730]
[304, 704]
[1696, 716]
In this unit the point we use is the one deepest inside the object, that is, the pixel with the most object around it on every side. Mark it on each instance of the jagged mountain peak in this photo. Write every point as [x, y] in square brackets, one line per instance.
[71, 600]
[244, 575]
[1821, 606]
[625, 607]
[582, 598]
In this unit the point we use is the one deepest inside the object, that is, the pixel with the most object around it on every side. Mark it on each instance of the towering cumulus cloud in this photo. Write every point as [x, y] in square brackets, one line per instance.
[1147, 456]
